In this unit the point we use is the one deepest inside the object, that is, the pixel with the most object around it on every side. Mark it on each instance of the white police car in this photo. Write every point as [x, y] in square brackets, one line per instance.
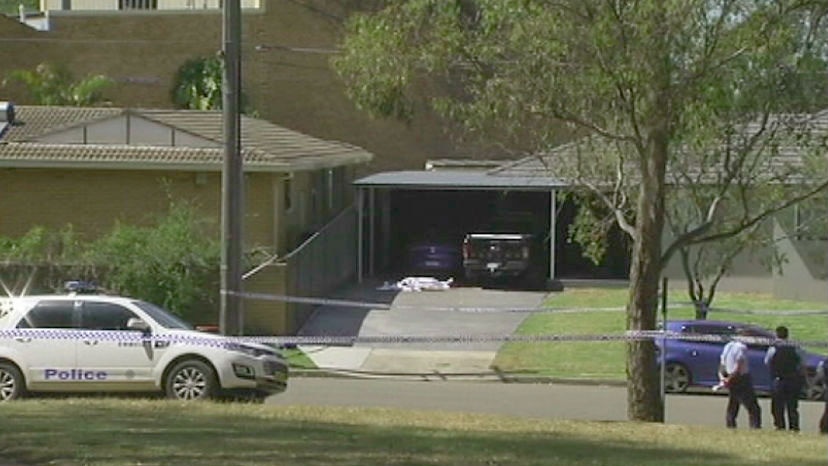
[97, 343]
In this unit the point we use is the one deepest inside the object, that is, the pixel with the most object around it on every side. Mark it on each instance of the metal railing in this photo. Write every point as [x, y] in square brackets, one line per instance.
[324, 261]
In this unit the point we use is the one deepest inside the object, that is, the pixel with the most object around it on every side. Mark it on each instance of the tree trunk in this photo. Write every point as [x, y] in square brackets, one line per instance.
[702, 307]
[643, 385]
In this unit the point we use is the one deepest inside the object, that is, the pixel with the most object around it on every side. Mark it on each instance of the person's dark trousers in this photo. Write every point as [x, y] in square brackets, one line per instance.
[741, 392]
[785, 398]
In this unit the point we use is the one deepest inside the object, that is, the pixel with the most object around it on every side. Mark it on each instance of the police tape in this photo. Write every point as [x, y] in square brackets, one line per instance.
[388, 307]
[789, 312]
[166, 339]
[469, 309]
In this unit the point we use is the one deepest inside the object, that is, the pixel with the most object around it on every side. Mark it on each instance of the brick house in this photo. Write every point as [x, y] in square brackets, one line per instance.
[93, 166]
[287, 76]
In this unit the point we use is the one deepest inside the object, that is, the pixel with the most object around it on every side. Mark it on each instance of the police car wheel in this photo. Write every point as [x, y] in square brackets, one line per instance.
[191, 380]
[12, 385]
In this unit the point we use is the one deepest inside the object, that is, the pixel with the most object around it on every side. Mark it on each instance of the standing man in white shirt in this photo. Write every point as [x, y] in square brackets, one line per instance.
[735, 373]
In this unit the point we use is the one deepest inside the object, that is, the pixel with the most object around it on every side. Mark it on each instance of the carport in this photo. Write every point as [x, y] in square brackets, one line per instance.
[394, 205]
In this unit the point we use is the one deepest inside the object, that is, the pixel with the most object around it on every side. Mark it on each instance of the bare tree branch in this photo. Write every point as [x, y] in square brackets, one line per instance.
[759, 218]
[615, 207]
[732, 170]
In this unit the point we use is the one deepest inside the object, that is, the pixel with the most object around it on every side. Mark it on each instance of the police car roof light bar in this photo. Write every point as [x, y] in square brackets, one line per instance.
[80, 287]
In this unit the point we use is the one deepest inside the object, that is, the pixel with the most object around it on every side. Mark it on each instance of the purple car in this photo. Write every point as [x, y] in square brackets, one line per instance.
[434, 258]
[695, 363]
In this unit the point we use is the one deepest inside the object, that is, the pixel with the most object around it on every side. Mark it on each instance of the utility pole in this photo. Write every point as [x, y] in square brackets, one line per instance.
[232, 180]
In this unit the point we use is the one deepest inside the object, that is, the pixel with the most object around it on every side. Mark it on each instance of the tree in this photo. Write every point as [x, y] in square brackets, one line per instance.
[646, 83]
[198, 86]
[705, 265]
[50, 84]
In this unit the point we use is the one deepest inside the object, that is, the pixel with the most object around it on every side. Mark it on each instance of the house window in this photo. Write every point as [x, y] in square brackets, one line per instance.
[330, 188]
[339, 187]
[287, 194]
[137, 4]
[319, 198]
[315, 206]
[810, 221]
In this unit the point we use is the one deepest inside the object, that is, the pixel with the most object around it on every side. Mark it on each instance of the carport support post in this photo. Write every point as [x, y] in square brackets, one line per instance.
[552, 233]
[385, 218]
[371, 228]
[663, 342]
[360, 230]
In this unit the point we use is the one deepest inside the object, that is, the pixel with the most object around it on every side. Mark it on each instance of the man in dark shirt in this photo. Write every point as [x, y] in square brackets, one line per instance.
[823, 377]
[784, 361]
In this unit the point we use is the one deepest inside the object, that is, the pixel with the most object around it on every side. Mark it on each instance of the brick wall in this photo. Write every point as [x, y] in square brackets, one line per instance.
[296, 90]
[92, 200]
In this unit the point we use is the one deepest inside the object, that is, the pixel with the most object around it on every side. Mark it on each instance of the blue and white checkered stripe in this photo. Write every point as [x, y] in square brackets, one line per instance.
[221, 341]
[109, 335]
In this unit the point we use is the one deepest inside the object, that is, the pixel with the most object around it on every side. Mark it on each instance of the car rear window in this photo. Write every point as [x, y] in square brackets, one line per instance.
[49, 314]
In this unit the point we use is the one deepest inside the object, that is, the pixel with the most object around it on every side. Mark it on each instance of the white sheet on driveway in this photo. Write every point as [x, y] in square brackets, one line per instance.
[418, 284]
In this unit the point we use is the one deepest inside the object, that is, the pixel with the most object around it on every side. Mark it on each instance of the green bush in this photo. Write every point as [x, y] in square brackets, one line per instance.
[40, 245]
[174, 263]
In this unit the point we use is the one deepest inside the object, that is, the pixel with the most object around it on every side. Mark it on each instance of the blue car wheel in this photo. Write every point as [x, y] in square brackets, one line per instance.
[813, 389]
[677, 378]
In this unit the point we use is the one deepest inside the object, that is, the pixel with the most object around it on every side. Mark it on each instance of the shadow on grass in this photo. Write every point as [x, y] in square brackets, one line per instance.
[147, 433]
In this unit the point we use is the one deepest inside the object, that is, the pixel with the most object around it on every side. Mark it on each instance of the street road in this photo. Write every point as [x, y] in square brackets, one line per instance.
[561, 401]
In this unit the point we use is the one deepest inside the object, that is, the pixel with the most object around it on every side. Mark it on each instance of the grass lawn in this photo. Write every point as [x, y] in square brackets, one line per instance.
[160, 432]
[11, 7]
[297, 359]
[606, 360]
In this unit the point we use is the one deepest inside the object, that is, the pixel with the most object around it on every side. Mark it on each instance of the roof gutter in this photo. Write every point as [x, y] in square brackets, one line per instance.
[144, 166]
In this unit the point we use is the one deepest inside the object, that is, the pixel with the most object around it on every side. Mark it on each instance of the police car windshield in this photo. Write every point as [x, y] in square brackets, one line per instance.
[163, 317]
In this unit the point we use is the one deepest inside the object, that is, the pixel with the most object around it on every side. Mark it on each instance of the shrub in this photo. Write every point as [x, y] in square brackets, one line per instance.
[174, 263]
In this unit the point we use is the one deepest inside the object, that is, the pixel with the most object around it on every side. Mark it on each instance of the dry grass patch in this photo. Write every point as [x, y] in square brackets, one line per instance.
[158, 432]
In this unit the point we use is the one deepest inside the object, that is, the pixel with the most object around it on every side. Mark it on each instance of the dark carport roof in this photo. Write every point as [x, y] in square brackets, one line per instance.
[457, 180]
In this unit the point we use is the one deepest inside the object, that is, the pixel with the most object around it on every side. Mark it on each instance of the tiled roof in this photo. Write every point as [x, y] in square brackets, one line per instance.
[265, 146]
[100, 155]
[784, 164]
[255, 134]
[32, 122]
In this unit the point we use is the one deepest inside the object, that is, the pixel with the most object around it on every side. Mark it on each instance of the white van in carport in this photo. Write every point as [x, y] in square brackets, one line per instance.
[95, 343]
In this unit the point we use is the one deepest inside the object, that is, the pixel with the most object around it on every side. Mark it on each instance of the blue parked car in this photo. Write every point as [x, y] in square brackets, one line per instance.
[438, 258]
[695, 363]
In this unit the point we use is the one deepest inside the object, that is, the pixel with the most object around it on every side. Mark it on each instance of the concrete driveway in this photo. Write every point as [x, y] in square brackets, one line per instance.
[420, 314]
